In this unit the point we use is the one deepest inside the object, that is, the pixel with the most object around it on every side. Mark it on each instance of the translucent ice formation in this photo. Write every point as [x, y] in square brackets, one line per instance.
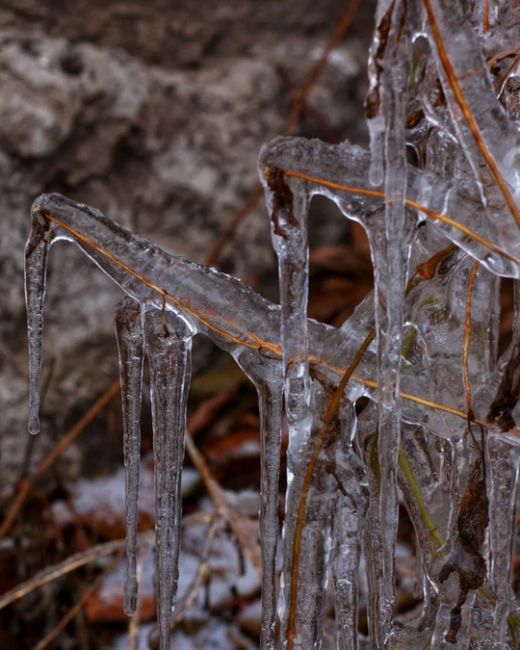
[408, 393]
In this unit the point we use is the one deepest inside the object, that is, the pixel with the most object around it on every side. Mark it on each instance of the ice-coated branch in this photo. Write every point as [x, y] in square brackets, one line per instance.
[340, 173]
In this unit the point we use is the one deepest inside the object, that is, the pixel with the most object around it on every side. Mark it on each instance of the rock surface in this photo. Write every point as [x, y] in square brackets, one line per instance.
[154, 113]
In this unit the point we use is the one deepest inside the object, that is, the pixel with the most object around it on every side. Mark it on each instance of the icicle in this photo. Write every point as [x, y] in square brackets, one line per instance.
[288, 202]
[36, 254]
[288, 207]
[375, 120]
[504, 461]
[168, 346]
[266, 374]
[131, 347]
[391, 253]
[349, 521]
[270, 402]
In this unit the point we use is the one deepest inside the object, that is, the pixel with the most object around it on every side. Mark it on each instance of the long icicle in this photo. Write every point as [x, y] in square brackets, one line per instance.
[36, 256]
[287, 202]
[504, 464]
[349, 521]
[130, 343]
[390, 255]
[270, 397]
[266, 374]
[168, 347]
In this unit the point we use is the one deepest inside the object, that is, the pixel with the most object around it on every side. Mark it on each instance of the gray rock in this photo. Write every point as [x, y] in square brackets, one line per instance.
[154, 113]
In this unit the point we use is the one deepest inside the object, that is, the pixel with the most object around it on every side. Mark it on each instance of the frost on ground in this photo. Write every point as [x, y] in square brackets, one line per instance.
[408, 394]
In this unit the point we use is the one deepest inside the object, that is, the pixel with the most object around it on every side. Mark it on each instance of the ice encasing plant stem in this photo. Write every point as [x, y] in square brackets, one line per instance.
[439, 412]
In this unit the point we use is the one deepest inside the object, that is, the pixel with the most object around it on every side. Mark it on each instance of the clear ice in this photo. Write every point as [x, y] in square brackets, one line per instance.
[168, 347]
[408, 403]
[130, 340]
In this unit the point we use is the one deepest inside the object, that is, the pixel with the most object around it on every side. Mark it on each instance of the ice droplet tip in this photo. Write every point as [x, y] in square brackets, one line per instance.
[34, 426]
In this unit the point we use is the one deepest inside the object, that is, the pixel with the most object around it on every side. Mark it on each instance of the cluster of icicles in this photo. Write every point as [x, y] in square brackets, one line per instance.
[407, 400]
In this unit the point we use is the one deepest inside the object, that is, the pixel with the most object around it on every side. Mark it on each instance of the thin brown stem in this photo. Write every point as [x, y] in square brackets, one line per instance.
[216, 252]
[200, 576]
[49, 574]
[485, 17]
[330, 414]
[308, 108]
[74, 611]
[248, 543]
[341, 29]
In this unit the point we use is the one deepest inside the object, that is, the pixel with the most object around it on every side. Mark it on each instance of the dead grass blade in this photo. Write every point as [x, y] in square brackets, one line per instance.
[74, 611]
[73, 562]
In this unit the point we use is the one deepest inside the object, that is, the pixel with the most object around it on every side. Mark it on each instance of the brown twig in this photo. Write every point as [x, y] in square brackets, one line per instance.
[200, 576]
[216, 252]
[200, 419]
[25, 487]
[308, 108]
[329, 416]
[248, 543]
[485, 17]
[49, 574]
[339, 32]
